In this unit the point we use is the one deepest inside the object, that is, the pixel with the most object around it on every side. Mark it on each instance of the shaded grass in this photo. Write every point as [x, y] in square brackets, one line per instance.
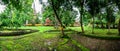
[32, 42]
[29, 42]
[99, 33]
[46, 40]
[40, 28]
[113, 32]
[80, 46]
[35, 41]
[105, 37]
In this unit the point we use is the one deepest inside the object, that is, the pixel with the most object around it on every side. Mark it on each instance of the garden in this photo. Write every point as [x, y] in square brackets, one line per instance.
[60, 25]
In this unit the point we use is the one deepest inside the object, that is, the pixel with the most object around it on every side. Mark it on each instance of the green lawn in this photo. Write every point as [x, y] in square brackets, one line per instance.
[40, 28]
[99, 33]
[40, 41]
[28, 42]
[113, 32]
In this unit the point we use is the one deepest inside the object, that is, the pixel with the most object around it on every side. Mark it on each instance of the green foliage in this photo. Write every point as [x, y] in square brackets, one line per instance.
[110, 14]
[48, 13]
[117, 2]
[15, 3]
[95, 6]
[117, 18]
[16, 13]
[58, 3]
[67, 17]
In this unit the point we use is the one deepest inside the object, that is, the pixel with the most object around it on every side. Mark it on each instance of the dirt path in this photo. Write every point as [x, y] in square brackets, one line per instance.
[97, 44]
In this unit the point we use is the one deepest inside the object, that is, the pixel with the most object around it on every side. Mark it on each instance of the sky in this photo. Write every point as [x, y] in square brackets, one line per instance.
[38, 7]
[77, 19]
[44, 0]
[2, 7]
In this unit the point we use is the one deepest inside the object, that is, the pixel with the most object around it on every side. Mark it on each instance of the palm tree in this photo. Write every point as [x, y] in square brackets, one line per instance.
[117, 2]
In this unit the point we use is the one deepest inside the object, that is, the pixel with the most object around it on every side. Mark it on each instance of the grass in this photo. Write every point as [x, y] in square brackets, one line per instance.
[29, 42]
[99, 33]
[113, 32]
[40, 28]
[80, 46]
[40, 41]
[37, 41]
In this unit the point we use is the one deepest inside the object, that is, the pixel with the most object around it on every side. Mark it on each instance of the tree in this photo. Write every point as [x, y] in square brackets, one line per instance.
[16, 13]
[119, 26]
[80, 4]
[48, 13]
[117, 2]
[82, 15]
[110, 16]
[94, 8]
[102, 18]
[59, 7]
[56, 6]
[93, 5]
[68, 18]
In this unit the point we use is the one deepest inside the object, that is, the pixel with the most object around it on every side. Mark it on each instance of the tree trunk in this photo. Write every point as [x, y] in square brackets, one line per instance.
[113, 26]
[102, 26]
[93, 25]
[82, 28]
[81, 20]
[119, 26]
[82, 15]
[56, 24]
[108, 27]
[62, 30]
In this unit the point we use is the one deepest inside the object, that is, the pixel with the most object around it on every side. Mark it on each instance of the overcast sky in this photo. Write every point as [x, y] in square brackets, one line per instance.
[2, 7]
[37, 6]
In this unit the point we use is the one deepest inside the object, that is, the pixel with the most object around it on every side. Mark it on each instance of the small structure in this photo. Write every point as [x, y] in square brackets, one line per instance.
[47, 22]
[76, 24]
